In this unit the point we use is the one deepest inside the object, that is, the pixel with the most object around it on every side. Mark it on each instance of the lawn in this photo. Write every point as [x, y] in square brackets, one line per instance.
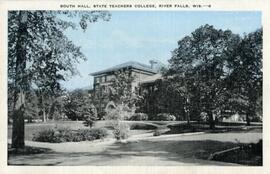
[164, 150]
[137, 127]
[34, 128]
[172, 147]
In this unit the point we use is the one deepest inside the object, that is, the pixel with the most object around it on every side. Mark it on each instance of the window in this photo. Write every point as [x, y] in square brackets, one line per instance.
[110, 77]
[97, 79]
[103, 79]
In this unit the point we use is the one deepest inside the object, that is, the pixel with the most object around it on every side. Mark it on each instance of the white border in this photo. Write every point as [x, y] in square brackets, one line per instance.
[216, 5]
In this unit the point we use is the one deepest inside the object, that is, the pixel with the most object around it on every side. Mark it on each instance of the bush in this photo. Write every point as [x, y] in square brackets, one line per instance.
[165, 117]
[101, 115]
[139, 117]
[93, 134]
[256, 119]
[54, 136]
[120, 131]
[64, 135]
[46, 136]
[115, 118]
[67, 135]
[89, 120]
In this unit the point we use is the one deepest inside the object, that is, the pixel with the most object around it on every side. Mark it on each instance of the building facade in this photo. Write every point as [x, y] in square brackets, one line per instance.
[103, 79]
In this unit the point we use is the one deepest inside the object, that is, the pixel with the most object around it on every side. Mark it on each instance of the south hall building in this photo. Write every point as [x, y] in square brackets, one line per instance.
[142, 73]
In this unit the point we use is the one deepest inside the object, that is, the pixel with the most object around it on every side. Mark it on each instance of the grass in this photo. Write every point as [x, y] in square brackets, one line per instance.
[220, 128]
[28, 150]
[175, 127]
[34, 128]
[162, 150]
[246, 154]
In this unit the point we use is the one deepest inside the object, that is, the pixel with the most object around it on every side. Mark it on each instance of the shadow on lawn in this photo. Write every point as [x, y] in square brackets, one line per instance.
[189, 152]
[28, 150]
[196, 127]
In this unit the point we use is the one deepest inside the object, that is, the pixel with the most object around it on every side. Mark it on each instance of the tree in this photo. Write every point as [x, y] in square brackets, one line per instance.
[35, 40]
[125, 99]
[245, 80]
[78, 105]
[162, 96]
[185, 89]
[202, 60]
[90, 116]
[121, 92]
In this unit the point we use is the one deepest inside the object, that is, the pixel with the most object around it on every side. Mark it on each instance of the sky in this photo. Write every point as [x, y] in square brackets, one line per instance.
[145, 35]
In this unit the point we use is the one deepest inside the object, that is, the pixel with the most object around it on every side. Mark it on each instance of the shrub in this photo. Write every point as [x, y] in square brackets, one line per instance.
[93, 134]
[89, 120]
[89, 116]
[64, 135]
[115, 119]
[165, 117]
[120, 131]
[67, 135]
[256, 119]
[54, 135]
[139, 117]
[101, 115]
[46, 136]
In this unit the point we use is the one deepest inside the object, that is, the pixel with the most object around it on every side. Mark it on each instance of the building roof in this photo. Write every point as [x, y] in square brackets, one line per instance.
[129, 64]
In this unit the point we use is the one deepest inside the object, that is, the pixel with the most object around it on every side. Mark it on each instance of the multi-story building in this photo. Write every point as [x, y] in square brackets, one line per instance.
[102, 79]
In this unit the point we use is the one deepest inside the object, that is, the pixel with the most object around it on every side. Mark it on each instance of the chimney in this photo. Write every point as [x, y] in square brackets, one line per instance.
[152, 63]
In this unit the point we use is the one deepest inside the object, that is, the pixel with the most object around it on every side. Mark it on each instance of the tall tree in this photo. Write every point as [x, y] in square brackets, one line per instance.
[203, 57]
[36, 40]
[78, 104]
[245, 80]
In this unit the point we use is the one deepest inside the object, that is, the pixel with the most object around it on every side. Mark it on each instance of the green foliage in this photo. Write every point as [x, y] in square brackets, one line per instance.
[89, 119]
[115, 119]
[92, 134]
[68, 135]
[161, 97]
[101, 115]
[46, 136]
[40, 55]
[121, 92]
[121, 112]
[125, 99]
[245, 80]
[120, 131]
[214, 70]
[78, 106]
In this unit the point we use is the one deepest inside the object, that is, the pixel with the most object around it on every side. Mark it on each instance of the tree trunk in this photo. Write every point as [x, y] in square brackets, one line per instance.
[187, 111]
[43, 108]
[187, 115]
[211, 120]
[44, 115]
[248, 118]
[188, 118]
[18, 123]
[20, 84]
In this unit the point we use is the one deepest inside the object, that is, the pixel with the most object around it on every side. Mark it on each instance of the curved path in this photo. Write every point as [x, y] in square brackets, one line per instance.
[139, 150]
